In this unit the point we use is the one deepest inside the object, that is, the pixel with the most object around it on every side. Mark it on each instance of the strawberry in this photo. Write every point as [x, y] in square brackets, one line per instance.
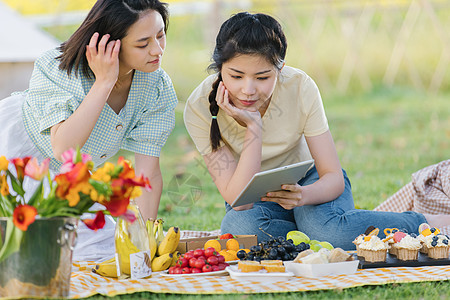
[226, 236]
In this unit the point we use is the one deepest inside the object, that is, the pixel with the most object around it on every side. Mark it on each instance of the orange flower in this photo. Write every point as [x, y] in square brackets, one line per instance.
[96, 223]
[36, 171]
[23, 216]
[20, 164]
[127, 171]
[4, 187]
[73, 182]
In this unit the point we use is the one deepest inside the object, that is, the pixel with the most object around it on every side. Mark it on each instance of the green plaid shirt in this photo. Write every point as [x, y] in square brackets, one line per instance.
[142, 126]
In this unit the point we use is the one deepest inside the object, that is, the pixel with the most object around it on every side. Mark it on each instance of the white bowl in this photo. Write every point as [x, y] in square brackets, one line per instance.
[317, 270]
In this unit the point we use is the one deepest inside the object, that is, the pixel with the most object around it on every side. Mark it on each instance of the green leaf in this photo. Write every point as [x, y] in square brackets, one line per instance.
[13, 238]
[38, 194]
[16, 184]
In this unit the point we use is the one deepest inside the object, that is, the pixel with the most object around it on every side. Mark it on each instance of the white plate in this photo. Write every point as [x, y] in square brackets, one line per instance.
[232, 262]
[261, 276]
[317, 270]
[216, 273]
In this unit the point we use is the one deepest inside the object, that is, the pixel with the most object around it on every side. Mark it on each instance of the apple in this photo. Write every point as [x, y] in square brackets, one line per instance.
[297, 237]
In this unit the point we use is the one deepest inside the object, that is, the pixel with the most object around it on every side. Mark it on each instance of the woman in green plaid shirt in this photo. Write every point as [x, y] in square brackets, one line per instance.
[102, 90]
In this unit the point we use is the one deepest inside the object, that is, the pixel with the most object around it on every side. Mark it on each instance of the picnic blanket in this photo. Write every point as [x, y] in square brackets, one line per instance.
[84, 283]
[428, 192]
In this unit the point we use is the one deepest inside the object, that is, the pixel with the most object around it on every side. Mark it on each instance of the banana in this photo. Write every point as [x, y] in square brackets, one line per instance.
[159, 228]
[107, 268]
[176, 256]
[161, 263]
[151, 238]
[170, 242]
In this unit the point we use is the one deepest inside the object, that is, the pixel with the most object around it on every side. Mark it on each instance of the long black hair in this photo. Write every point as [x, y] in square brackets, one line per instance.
[244, 33]
[112, 17]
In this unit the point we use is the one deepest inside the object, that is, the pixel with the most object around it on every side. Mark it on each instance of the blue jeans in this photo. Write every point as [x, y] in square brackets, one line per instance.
[337, 221]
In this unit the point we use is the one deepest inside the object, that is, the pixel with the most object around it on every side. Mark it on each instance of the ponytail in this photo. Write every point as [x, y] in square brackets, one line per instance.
[214, 133]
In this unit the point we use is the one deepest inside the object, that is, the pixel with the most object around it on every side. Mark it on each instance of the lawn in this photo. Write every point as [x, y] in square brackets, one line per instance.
[382, 136]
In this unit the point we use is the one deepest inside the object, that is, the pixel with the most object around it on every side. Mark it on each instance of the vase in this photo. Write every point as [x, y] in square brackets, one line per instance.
[42, 266]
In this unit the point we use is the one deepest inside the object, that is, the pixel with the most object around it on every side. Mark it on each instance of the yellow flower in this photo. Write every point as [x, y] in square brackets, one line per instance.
[103, 173]
[3, 163]
[137, 192]
[4, 188]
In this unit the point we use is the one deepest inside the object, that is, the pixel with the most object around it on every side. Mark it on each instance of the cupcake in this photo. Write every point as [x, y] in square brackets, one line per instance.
[437, 246]
[389, 239]
[425, 231]
[407, 248]
[357, 241]
[374, 249]
[370, 231]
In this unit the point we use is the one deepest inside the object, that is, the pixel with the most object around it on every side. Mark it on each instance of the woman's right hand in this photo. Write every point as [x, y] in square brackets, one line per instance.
[246, 117]
[103, 58]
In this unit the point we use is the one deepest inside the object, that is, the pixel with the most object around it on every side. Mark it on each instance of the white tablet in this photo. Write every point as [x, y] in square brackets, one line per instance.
[271, 180]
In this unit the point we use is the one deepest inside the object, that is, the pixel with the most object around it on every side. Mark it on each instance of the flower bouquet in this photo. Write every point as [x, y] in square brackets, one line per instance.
[37, 227]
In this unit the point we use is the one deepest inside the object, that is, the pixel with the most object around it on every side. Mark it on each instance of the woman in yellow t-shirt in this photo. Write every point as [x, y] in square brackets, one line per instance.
[255, 114]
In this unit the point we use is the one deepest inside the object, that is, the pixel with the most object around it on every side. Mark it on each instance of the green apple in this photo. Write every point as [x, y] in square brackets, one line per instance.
[313, 242]
[297, 237]
[326, 245]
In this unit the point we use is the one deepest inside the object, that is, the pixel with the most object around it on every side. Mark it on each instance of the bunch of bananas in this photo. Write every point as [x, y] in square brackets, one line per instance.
[162, 249]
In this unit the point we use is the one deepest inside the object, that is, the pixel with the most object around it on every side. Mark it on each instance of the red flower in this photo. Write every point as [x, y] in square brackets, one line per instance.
[117, 205]
[20, 164]
[23, 216]
[96, 223]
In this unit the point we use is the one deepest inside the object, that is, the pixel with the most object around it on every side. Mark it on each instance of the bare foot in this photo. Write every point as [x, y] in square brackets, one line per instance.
[438, 221]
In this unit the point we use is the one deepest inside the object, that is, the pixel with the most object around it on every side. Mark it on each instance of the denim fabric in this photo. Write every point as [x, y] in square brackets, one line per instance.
[337, 221]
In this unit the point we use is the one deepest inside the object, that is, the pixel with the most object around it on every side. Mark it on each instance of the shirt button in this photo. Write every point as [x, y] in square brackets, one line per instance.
[119, 127]
[103, 156]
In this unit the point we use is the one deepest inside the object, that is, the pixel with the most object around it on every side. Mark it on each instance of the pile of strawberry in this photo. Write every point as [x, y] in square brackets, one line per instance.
[199, 261]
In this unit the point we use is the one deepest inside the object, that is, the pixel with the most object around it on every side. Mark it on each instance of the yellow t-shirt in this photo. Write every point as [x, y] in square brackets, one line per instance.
[295, 111]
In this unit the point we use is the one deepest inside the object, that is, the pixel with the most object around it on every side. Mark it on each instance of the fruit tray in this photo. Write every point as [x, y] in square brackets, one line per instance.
[392, 261]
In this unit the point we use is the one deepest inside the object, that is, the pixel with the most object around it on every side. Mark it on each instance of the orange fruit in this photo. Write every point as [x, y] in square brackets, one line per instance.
[228, 256]
[213, 243]
[233, 244]
[246, 250]
[232, 253]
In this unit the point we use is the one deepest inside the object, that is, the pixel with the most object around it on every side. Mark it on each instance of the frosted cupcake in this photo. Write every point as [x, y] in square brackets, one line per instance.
[437, 246]
[425, 231]
[389, 239]
[357, 241]
[373, 249]
[407, 248]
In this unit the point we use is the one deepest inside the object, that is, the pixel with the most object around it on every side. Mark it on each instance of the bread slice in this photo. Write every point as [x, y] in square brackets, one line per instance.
[339, 255]
[303, 254]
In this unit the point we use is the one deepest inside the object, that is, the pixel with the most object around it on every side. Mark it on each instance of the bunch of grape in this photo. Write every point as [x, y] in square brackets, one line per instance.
[274, 248]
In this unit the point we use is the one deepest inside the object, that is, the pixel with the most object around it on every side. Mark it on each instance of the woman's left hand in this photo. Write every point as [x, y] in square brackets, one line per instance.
[289, 197]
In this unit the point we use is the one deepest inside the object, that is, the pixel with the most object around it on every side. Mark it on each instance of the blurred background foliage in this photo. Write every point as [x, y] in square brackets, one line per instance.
[382, 67]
